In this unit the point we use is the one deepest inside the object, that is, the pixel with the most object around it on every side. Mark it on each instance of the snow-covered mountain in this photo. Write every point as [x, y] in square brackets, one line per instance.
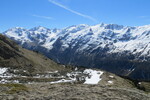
[115, 37]
[119, 49]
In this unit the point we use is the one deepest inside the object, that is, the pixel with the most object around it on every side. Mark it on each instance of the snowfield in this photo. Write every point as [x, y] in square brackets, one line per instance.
[91, 77]
[117, 37]
[94, 76]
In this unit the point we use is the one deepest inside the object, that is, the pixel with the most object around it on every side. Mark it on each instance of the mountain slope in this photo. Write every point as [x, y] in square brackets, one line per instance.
[14, 57]
[119, 49]
[41, 78]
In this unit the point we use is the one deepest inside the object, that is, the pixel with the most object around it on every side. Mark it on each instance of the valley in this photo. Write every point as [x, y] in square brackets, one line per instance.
[118, 49]
[29, 75]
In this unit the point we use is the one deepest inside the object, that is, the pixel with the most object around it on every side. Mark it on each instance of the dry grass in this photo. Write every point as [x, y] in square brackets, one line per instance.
[14, 88]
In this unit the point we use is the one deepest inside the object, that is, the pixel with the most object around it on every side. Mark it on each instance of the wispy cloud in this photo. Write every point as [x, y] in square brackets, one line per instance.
[44, 17]
[72, 11]
[143, 16]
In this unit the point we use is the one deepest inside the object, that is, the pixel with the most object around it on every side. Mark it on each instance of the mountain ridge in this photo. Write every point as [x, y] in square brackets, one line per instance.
[127, 48]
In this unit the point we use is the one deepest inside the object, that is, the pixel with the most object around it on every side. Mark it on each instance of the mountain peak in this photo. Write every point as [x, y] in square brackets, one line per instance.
[16, 28]
[39, 28]
[113, 26]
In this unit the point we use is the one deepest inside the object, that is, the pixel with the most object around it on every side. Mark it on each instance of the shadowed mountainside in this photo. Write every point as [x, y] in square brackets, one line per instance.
[14, 57]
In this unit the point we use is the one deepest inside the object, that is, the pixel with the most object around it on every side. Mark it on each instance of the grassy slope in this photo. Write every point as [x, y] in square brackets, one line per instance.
[15, 57]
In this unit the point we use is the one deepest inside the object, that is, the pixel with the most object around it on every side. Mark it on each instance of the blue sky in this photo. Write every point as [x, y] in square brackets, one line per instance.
[63, 13]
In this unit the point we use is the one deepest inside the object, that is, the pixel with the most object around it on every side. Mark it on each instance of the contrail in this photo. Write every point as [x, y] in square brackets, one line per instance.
[45, 17]
[72, 11]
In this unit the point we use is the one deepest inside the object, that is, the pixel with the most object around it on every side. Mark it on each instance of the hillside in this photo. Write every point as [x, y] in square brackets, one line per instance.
[27, 75]
[19, 65]
[15, 57]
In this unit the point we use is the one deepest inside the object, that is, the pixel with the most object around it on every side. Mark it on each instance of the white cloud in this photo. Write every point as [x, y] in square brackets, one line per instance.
[45, 17]
[72, 11]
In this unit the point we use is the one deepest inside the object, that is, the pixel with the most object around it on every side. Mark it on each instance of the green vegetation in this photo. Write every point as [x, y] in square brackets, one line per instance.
[14, 88]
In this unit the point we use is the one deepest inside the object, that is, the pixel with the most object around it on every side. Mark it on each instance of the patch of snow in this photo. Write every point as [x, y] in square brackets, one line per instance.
[110, 82]
[15, 81]
[5, 74]
[94, 76]
[24, 71]
[111, 76]
[53, 72]
[64, 66]
[61, 81]
[76, 69]
[2, 70]
[139, 83]
[3, 81]
[73, 75]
